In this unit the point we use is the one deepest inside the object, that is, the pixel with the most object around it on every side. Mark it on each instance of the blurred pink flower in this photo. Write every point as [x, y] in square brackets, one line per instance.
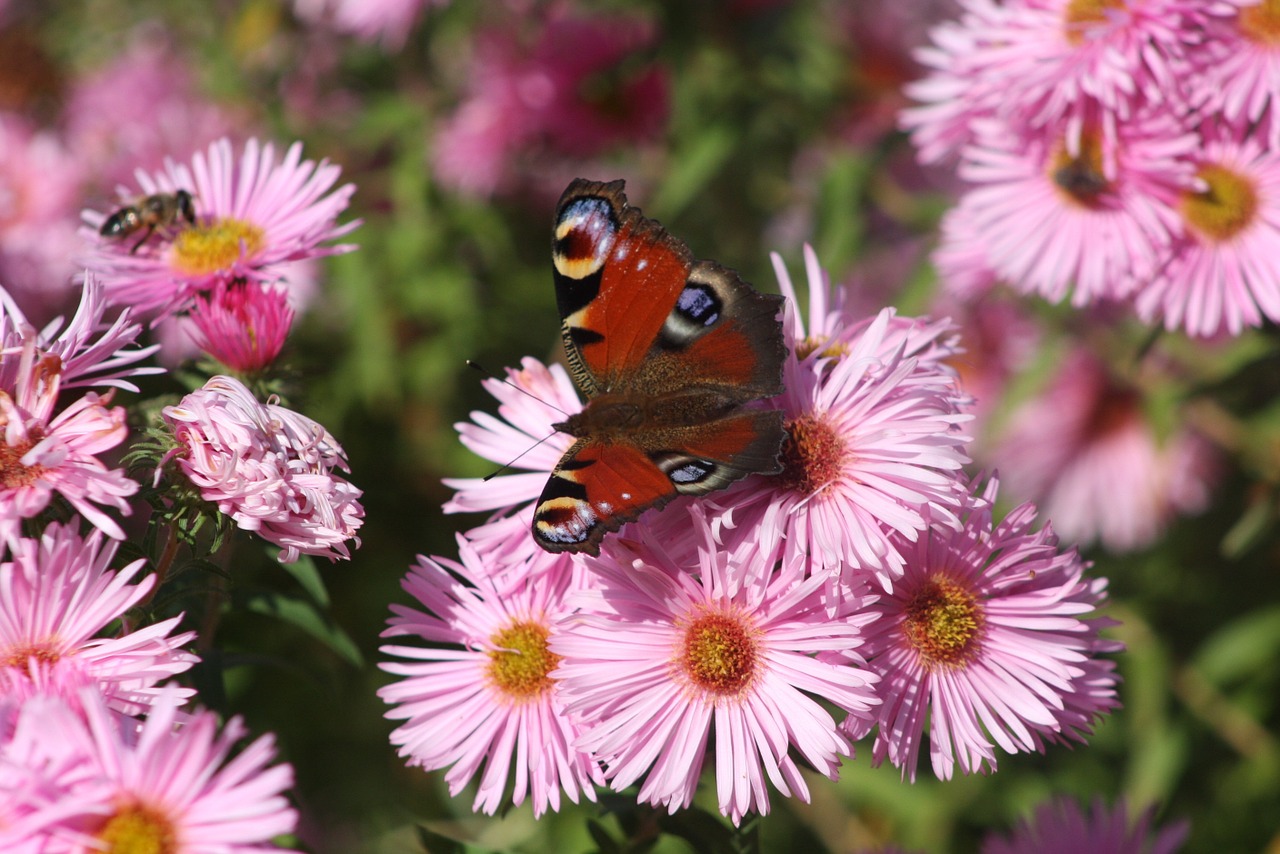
[242, 324]
[156, 786]
[1239, 69]
[1225, 274]
[667, 652]
[481, 692]
[1061, 827]
[583, 85]
[57, 594]
[1103, 472]
[253, 217]
[387, 21]
[983, 639]
[267, 468]
[137, 110]
[40, 192]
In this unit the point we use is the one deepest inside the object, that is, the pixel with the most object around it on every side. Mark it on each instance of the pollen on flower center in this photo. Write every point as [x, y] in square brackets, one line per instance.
[1227, 206]
[943, 621]
[1080, 179]
[813, 455]
[719, 654]
[1261, 23]
[20, 656]
[823, 346]
[136, 829]
[216, 245]
[1082, 15]
[13, 473]
[520, 663]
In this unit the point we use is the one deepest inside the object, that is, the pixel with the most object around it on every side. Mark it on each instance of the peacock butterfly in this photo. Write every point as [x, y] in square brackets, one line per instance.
[667, 350]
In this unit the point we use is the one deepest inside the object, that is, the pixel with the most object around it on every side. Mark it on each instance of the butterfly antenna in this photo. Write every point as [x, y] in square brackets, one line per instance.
[492, 475]
[491, 375]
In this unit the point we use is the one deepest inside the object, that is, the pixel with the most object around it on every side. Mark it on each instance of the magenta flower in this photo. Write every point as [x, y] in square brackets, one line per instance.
[872, 418]
[481, 693]
[268, 468]
[155, 786]
[585, 84]
[1061, 827]
[666, 648]
[386, 21]
[984, 638]
[1105, 472]
[1225, 274]
[56, 596]
[242, 324]
[253, 217]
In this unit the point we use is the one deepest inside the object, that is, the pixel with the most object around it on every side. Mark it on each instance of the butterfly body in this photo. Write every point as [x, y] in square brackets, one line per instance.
[670, 351]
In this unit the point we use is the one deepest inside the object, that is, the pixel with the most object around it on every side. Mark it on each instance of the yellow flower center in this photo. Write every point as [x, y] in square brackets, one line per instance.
[520, 663]
[137, 829]
[1082, 15]
[943, 621]
[217, 245]
[1080, 179]
[719, 654]
[813, 456]
[1227, 206]
[1261, 23]
[824, 347]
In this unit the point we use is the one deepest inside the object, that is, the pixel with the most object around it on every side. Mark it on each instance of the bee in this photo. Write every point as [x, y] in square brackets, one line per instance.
[160, 210]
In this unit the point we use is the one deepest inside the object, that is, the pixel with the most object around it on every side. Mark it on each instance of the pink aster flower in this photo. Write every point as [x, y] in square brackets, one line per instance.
[242, 324]
[583, 86]
[481, 693]
[1225, 273]
[1104, 472]
[1097, 218]
[253, 217]
[57, 594]
[667, 650]
[872, 419]
[1239, 74]
[984, 640]
[268, 468]
[1061, 827]
[159, 786]
[43, 453]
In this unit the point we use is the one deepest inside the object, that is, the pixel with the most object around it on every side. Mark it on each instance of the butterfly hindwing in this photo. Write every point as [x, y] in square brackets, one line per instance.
[667, 349]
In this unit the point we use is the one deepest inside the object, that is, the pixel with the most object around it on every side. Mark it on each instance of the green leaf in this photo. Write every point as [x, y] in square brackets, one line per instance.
[1248, 644]
[307, 617]
[306, 573]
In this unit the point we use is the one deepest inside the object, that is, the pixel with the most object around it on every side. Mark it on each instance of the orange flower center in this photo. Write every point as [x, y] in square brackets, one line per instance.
[719, 654]
[216, 246]
[943, 622]
[19, 657]
[813, 455]
[137, 829]
[1228, 205]
[13, 474]
[520, 664]
[822, 346]
[1261, 23]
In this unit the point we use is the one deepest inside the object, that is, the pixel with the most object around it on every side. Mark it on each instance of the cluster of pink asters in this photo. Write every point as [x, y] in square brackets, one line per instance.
[1116, 152]
[755, 631]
